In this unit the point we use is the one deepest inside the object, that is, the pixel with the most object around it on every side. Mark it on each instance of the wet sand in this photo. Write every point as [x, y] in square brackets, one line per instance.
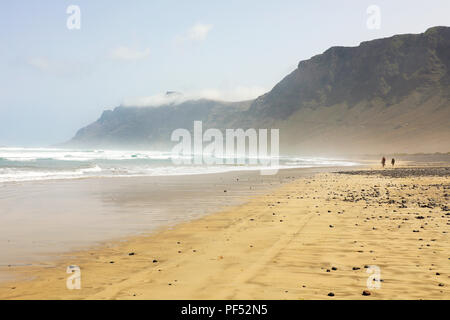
[39, 220]
[314, 237]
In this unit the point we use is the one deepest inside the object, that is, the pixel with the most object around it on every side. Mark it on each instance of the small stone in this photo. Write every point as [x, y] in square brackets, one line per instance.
[366, 293]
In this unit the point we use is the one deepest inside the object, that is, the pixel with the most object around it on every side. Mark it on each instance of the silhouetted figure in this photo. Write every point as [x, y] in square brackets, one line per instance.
[393, 162]
[383, 162]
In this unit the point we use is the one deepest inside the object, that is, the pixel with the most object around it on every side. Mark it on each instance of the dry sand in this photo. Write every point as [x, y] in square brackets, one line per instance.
[305, 240]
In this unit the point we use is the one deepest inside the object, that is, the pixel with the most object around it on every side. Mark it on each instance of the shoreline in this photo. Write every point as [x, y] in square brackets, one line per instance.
[42, 220]
[251, 251]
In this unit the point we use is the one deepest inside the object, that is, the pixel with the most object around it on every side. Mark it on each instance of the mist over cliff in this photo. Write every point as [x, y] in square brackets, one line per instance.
[386, 95]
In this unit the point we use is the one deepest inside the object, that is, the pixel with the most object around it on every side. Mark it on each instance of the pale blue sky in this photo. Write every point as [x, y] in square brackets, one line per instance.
[54, 80]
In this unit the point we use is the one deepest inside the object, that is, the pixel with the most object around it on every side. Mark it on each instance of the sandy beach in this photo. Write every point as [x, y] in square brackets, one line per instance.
[312, 237]
[42, 219]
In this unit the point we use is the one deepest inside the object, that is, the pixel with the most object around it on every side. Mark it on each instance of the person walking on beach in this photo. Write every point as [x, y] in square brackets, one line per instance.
[383, 162]
[393, 162]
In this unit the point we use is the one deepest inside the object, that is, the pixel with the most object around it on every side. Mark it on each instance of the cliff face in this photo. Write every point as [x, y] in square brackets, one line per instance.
[137, 127]
[386, 95]
[387, 70]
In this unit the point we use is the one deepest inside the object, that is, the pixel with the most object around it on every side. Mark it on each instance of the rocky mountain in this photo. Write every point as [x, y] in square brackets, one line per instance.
[386, 95]
[144, 127]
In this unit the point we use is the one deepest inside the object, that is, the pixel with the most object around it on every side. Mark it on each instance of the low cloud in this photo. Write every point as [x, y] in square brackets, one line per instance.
[197, 33]
[129, 54]
[239, 93]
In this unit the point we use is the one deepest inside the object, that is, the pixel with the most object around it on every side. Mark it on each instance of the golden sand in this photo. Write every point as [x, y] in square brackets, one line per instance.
[304, 240]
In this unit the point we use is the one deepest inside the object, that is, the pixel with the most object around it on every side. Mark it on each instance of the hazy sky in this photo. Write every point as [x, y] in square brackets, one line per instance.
[54, 80]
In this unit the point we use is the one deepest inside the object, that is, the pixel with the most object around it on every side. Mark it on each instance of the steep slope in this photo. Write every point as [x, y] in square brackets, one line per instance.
[384, 69]
[386, 95]
[138, 127]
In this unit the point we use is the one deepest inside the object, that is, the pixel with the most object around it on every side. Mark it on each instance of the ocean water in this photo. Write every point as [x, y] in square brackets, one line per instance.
[34, 164]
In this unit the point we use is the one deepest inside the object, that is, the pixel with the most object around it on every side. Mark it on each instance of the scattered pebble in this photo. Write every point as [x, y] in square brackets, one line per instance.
[366, 293]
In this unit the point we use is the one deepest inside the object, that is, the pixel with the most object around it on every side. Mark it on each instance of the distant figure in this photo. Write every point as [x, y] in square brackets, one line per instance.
[393, 162]
[383, 162]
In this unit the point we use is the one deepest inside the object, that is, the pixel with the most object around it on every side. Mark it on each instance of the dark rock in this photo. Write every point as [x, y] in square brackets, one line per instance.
[366, 293]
